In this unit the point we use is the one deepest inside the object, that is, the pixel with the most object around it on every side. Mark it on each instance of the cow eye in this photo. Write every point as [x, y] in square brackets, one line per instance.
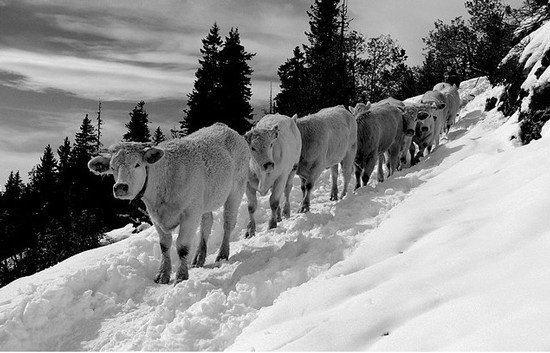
[137, 165]
[253, 149]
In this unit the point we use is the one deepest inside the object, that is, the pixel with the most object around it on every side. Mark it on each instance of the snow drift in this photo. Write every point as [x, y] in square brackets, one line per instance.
[450, 254]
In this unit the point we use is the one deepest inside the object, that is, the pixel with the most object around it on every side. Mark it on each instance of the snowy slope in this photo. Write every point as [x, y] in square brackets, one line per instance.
[451, 254]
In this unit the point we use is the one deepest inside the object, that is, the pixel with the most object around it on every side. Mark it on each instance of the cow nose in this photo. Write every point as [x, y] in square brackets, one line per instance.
[120, 189]
[424, 128]
[268, 166]
[409, 132]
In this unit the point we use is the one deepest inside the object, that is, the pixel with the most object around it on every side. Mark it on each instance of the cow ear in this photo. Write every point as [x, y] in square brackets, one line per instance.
[100, 165]
[295, 117]
[152, 155]
[248, 136]
[351, 109]
[367, 106]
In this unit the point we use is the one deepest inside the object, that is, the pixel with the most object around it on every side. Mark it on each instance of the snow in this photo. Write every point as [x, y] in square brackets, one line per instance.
[116, 235]
[537, 45]
[449, 255]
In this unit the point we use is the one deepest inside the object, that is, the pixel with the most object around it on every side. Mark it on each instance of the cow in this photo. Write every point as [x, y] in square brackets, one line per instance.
[452, 100]
[380, 128]
[181, 182]
[329, 137]
[439, 111]
[410, 113]
[275, 143]
[424, 133]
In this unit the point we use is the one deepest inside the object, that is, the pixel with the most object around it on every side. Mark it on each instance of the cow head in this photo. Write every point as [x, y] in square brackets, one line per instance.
[410, 117]
[261, 145]
[127, 162]
[426, 125]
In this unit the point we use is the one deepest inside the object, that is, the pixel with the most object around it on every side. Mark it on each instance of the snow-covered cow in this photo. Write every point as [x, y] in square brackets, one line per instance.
[275, 143]
[329, 137]
[452, 100]
[181, 182]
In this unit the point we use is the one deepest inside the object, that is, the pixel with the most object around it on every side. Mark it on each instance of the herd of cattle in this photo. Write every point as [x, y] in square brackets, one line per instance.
[183, 181]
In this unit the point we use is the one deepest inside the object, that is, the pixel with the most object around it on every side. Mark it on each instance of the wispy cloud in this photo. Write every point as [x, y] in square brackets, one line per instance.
[92, 78]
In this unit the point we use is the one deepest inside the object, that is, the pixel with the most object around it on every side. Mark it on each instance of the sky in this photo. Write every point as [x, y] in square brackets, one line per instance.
[58, 58]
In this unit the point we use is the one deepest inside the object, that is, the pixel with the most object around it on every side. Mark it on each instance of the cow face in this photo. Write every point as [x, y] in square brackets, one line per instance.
[424, 126]
[410, 117]
[261, 145]
[127, 164]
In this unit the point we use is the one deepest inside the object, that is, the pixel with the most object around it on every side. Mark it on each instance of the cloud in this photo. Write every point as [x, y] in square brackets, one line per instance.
[91, 78]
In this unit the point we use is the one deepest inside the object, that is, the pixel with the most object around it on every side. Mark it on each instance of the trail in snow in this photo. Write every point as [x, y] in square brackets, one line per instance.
[114, 305]
[105, 299]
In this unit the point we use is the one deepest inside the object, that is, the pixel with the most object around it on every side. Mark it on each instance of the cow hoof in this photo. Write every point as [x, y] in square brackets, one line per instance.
[198, 261]
[162, 278]
[182, 274]
[249, 233]
[222, 257]
[304, 209]
[272, 224]
[286, 212]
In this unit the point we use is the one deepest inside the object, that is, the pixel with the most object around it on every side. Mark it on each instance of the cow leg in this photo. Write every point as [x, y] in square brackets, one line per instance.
[188, 228]
[206, 228]
[358, 172]
[347, 169]
[369, 167]
[412, 151]
[393, 159]
[334, 190]
[274, 200]
[381, 167]
[307, 187]
[230, 210]
[252, 205]
[288, 188]
[165, 240]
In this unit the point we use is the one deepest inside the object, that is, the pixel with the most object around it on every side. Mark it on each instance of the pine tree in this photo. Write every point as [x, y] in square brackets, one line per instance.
[138, 130]
[325, 54]
[158, 136]
[294, 95]
[85, 144]
[235, 91]
[203, 104]
[44, 180]
[64, 153]
[13, 189]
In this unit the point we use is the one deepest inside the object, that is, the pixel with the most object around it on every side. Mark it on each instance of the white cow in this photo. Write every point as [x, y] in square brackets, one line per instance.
[329, 137]
[181, 182]
[275, 143]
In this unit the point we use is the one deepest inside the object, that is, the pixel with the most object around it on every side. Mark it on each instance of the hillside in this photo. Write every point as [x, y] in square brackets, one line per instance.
[451, 254]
